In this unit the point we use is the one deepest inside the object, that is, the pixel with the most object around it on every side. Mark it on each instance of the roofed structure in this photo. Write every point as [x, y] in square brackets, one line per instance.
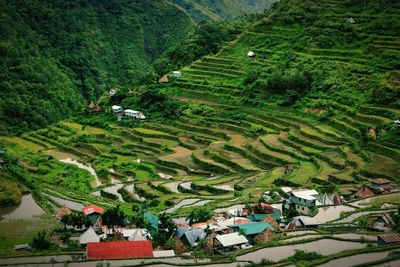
[193, 236]
[89, 236]
[164, 79]
[364, 192]
[232, 239]
[92, 209]
[120, 250]
[351, 20]
[388, 239]
[326, 200]
[153, 219]
[62, 212]
[253, 228]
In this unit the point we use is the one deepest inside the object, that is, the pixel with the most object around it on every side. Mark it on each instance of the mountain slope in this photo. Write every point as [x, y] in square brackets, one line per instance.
[225, 9]
[57, 55]
[351, 63]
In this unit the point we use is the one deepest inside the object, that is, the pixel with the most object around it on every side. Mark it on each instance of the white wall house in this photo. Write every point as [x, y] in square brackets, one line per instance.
[117, 109]
[134, 114]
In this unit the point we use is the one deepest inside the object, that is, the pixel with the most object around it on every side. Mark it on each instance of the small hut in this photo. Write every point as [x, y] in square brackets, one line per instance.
[89, 236]
[92, 105]
[62, 212]
[251, 54]
[164, 79]
[350, 20]
[364, 192]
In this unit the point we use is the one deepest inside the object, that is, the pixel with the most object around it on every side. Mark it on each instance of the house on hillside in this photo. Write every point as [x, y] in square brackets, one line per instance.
[177, 74]
[89, 236]
[64, 211]
[252, 229]
[383, 222]
[326, 200]
[193, 236]
[153, 219]
[301, 222]
[228, 241]
[381, 185]
[164, 79]
[305, 200]
[117, 109]
[93, 107]
[135, 234]
[112, 92]
[251, 54]
[94, 213]
[364, 192]
[351, 20]
[388, 239]
[119, 250]
[133, 114]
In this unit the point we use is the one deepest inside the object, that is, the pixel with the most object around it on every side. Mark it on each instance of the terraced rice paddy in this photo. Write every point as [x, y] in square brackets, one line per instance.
[236, 150]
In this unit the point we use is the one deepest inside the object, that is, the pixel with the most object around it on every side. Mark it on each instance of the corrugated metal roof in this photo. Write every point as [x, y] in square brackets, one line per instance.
[231, 239]
[253, 227]
[92, 209]
[390, 238]
[120, 250]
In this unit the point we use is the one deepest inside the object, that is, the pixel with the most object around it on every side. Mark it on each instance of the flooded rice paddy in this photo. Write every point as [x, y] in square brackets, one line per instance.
[84, 167]
[323, 247]
[26, 210]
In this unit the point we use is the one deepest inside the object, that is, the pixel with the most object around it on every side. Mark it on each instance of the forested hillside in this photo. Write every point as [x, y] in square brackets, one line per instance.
[58, 55]
[201, 10]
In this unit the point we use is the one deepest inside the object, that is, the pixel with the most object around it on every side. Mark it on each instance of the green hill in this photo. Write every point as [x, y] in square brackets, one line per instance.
[305, 112]
[201, 10]
[57, 55]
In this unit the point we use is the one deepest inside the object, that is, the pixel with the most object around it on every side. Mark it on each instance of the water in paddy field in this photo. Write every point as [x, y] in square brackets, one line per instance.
[26, 210]
[323, 247]
[84, 167]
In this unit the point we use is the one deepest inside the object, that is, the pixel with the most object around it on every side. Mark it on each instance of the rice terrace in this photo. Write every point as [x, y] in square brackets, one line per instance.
[266, 139]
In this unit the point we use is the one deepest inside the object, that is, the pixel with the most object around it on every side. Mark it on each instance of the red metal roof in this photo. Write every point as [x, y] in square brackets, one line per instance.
[92, 209]
[120, 250]
[390, 238]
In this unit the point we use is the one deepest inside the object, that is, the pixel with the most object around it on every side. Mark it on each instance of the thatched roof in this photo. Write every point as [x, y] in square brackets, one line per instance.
[269, 219]
[91, 105]
[62, 212]
[164, 79]
[364, 192]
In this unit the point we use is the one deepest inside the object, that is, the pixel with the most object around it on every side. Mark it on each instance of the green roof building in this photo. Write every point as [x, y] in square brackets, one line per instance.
[153, 219]
[252, 228]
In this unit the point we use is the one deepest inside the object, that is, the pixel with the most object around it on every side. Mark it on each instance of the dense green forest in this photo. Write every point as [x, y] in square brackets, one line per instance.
[211, 10]
[58, 55]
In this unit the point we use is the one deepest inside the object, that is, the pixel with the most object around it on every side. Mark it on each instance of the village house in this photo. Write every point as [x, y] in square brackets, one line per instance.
[94, 213]
[89, 236]
[177, 74]
[388, 239]
[117, 109]
[134, 114]
[164, 79]
[93, 107]
[251, 54]
[229, 241]
[119, 250]
[305, 200]
[381, 185]
[153, 219]
[136, 234]
[364, 192]
[62, 212]
[112, 91]
[350, 20]
[252, 229]
[383, 222]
